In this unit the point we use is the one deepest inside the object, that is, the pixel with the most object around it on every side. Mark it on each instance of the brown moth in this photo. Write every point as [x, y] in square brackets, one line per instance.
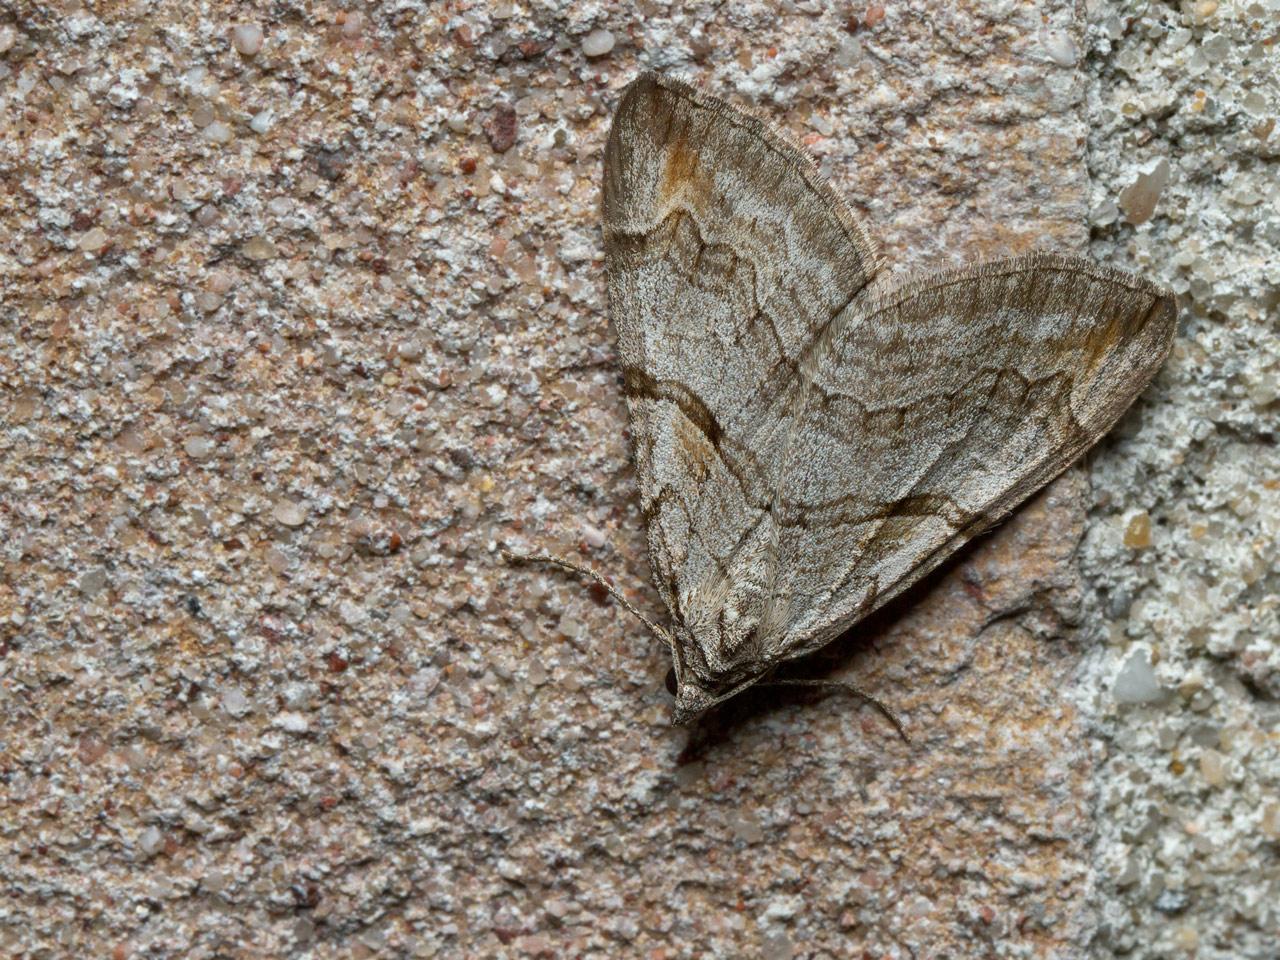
[807, 448]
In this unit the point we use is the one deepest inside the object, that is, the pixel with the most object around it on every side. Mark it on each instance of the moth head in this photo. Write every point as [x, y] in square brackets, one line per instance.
[720, 650]
[693, 698]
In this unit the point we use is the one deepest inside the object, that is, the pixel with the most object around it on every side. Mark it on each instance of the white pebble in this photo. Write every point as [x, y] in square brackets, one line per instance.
[262, 121]
[1104, 213]
[247, 39]
[1213, 768]
[217, 132]
[235, 702]
[782, 908]
[198, 447]
[597, 43]
[353, 615]
[94, 240]
[150, 841]
[289, 513]
[298, 696]
[1061, 49]
[509, 870]
[1136, 682]
[292, 722]
[411, 349]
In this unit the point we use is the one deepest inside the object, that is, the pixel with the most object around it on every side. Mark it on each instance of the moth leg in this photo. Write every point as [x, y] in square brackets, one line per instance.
[848, 688]
[555, 561]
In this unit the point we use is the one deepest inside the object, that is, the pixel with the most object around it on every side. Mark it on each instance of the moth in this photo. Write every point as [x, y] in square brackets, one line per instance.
[808, 447]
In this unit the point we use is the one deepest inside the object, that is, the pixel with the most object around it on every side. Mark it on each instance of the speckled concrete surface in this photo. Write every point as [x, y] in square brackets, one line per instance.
[303, 317]
[1182, 552]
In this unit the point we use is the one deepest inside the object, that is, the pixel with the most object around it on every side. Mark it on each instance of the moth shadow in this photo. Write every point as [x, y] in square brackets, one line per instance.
[720, 724]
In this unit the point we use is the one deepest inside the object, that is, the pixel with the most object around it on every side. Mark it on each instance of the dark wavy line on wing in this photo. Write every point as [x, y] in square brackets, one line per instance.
[659, 241]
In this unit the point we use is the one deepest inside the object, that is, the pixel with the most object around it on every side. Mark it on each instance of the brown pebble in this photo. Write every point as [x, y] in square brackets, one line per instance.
[91, 749]
[332, 164]
[467, 165]
[1137, 533]
[1139, 199]
[501, 128]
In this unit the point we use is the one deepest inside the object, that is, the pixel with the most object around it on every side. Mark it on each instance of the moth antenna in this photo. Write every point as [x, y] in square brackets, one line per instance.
[515, 558]
[848, 688]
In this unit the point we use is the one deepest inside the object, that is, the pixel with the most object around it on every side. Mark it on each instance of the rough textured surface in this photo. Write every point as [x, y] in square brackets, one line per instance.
[1183, 550]
[300, 320]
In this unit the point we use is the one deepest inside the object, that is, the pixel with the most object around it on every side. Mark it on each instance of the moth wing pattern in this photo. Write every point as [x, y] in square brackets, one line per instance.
[935, 409]
[806, 450]
[727, 253]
